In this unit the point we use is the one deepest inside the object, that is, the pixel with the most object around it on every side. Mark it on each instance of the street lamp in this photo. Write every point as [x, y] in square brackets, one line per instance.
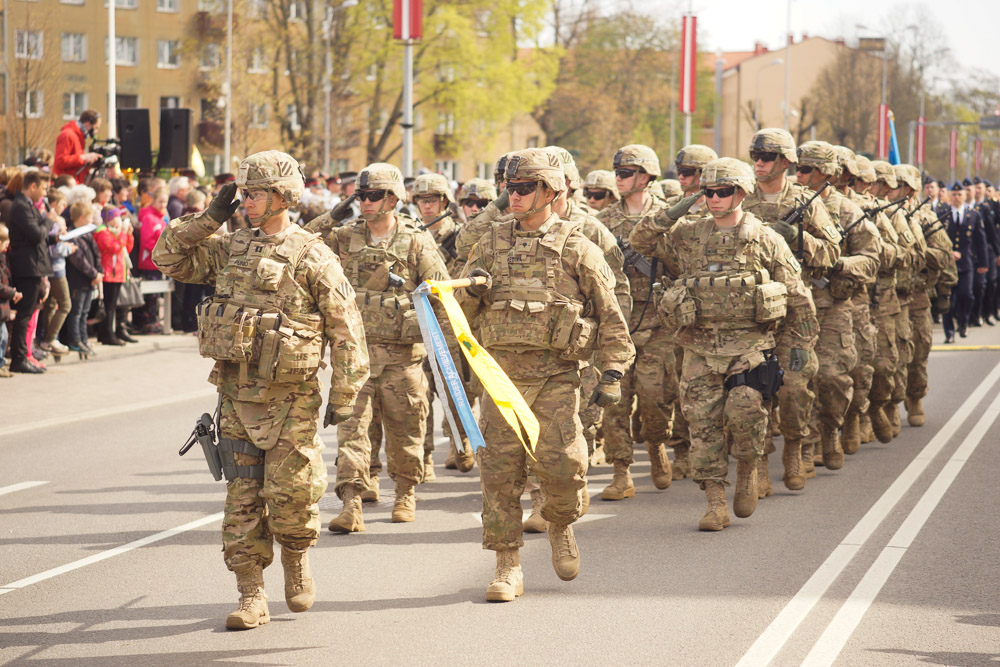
[756, 108]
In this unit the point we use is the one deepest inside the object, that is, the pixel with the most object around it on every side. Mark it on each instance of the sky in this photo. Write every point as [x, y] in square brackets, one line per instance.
[970, 26]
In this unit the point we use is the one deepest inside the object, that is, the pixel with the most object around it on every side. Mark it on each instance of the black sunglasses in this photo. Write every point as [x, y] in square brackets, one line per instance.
[420, 198]
[721, 193]
[763, 157]
[625, 173]
[595, 194]
[804, 169]
[475, 203]
[686, 172]
[523, 189]
[371, 195]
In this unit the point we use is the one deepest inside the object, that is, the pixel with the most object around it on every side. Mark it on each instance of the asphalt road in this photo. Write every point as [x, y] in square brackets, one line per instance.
[110, 548]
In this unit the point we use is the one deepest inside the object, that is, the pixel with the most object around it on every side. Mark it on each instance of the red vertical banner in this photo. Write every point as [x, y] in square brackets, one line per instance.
[883, 132]
[978, 155]
[953, 149]
[921, 139]
[407, 19]
[689, 61]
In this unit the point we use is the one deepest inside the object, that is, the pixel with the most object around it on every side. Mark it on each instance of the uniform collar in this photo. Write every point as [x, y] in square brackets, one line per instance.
[541, 231]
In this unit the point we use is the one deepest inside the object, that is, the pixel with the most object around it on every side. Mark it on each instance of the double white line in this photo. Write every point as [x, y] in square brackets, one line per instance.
[833, 639]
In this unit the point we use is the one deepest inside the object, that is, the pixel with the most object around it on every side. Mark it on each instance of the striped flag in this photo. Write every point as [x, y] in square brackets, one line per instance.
[883, 132]
[689, 58]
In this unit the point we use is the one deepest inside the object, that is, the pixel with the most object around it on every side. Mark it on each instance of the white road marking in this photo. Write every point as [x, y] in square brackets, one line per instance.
[833, 639]
[774, 637]
[107, 412]
[19, 487]
[104, 555]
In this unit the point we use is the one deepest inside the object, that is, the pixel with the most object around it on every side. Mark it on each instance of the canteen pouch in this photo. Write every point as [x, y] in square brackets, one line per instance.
[226, 331]
[291, 352]
[676, 308]
[582, 341]
[565, 323]
[409, 330]
[770, 301]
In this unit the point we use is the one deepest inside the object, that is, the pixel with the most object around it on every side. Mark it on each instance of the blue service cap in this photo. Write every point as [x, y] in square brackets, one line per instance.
[967, 182]
[957, 186]
[942, 185]
[987, 183]
[976, 180]
[928, 180]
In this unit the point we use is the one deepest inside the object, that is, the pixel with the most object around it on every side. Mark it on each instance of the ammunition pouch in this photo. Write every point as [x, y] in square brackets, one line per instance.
[676, 308]
[725, 301]
[558, 326]
[388, 317]
[766, 378]
[227, 448]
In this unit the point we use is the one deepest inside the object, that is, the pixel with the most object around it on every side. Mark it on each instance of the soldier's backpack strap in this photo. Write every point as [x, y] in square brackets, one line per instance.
[555, 241]
[503, 242]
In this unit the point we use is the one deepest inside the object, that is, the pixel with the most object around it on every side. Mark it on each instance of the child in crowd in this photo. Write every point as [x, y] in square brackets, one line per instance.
[84, 276]
[114, 239]
[8, 296]
[57, 306]
[153, 220]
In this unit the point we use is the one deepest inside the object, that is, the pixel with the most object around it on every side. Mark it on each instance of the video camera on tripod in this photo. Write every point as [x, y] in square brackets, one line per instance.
[108, 149]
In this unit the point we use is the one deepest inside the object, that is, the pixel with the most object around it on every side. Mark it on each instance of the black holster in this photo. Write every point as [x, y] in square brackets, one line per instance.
[766, 378]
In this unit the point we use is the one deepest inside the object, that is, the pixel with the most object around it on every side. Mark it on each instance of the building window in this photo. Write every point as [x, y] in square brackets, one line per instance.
[29, 105]
[213, 6]
[126, 101]
[28, 44]
[445, 124]
[73, 105]
[168, 5]
[168, 54]
[71, 2]
[446, 167]
[258, 116]
[74, 47]
[126, 50]
[485, 170]
[170, 103]
[292, 114]
[210, 57]
[257, 61]
[297, 11]
[125, 4]
[258, 9]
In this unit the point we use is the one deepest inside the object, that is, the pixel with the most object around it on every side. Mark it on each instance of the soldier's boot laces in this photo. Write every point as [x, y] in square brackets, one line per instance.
[880, 423]
[535, 523]
[450, 460]
[253, 600]
[892, 414]
[850, 435]
[681, 468]
[370, 494]
[764, 488]
[621, 485]
[914, 411]
[404, 509]
[833, 455]
[565, 555]
[745, 499]
[865, 429]
[300, 589]
[717, 516]
[808, 466]
[429, 475]
[466, 459]
[508, 581]
[791, 459]
[659, 465]
[350, 519]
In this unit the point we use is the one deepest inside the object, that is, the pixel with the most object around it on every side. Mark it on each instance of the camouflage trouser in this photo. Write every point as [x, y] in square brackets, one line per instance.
[904, 345]
[400, 392]
[285, 503]
[721, 422]
[590, 415]
[795, 398]
[886, 358]
[865, 334]
[916, 376]
[375, 437]
[561, 462]
[680, 437]
[653, 380]
[837, 358]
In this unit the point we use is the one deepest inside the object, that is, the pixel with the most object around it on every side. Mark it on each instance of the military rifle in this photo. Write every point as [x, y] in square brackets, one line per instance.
[795, 217]
[874, 211]
[636, 260]
[436, 220]
[912, 213]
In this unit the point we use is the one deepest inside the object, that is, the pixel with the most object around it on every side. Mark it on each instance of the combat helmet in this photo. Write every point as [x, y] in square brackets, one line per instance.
[672, 187]
[728, 171]
[382, 176]
[569, 166]
[432, 184]
[907, 174]
[498, 169]
[885, 173]
[275, 171]
[848, 161]
[477, 188]
[821, 155]
[638, 155]
[602, 179]
[694, 156]
[774, 140]
[866, 172]
[536, 164]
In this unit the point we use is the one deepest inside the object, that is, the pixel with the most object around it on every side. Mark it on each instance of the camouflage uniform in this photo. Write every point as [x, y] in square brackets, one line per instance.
[601, 179]
[286, 296]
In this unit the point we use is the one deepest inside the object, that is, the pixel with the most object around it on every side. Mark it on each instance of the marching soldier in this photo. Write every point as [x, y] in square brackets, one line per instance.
[600, 189]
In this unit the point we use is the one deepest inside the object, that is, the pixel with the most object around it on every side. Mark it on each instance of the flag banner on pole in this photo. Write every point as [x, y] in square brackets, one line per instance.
[921, 139]
[505, 394]
[689, 62]
[953, 149]
[893, 144]
[979, 155]
[407, 19]
[882, 150]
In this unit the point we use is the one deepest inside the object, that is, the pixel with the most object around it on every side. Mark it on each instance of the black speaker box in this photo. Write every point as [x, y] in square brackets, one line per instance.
[133, 130]
[175, 139]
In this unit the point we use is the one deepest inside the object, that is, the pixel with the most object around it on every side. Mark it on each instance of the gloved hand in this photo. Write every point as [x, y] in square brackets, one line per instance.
[224, 204]
[342, 211]
[337, 413]
[798, 358]
[503, 201]
[941, 304]
[788, 232]
[680, 209]
[480, 290]
[608, 391]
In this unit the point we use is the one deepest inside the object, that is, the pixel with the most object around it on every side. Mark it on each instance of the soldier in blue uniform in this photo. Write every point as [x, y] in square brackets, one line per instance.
[986, 283]
[969, 245]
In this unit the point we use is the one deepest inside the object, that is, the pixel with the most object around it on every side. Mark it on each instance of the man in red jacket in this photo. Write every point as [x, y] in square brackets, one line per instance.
[70, 157]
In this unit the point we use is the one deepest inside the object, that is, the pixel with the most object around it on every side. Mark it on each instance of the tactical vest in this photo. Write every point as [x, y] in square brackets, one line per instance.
[731, 290]
[779, 209]
[260, 316]
[387, 312]
[536, 304]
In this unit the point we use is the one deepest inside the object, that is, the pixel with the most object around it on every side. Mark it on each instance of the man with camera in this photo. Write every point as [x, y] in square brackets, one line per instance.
[70, 158]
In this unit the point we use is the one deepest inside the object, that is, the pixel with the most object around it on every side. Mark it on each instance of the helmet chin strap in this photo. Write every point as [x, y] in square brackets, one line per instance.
[377, 215]
[535, 208]
[718, 215]
[624, 194]
[266, 215]
[771, 175]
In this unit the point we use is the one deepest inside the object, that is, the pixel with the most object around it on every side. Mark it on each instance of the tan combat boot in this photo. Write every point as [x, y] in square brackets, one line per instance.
[300, 589]
[808, 465]
[881, 425]
[865, 428]
[717, 516]
[370, 494]
[404, 509]
[449, 461]
[791, 459]
[681, 468]
[429, 475]
[508, 582]
[892, 414]
[621, 485]
[253, 600]
[659, 465]
[745, 499]
[465, 460]
[764, 488]
[833, 455]
[535, 523]
[565, 555]
[350, 520]
[850, 435]
[914, 411]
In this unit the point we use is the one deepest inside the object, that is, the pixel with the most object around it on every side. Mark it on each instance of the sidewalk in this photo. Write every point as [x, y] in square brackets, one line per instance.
[979, 338]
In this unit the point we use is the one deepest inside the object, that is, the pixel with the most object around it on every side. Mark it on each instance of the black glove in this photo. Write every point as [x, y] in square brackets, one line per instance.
[608, 391]
[480, 290]
[798, 358]
[503, 201]
[787, 232]
[337, 413]
[680, 209]
[941, 304]
[342, 211]
[224, 204]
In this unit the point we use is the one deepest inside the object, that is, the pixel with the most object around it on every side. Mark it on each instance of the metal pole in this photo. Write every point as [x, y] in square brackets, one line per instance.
[718, 104]
[6, 68]
[327, 87]
[673, 106]
[885, 61]
[968, 157]
[112, 71]
[909, 140]
[687, 129]
[227, 155]
[788, 66]
[407, 92]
